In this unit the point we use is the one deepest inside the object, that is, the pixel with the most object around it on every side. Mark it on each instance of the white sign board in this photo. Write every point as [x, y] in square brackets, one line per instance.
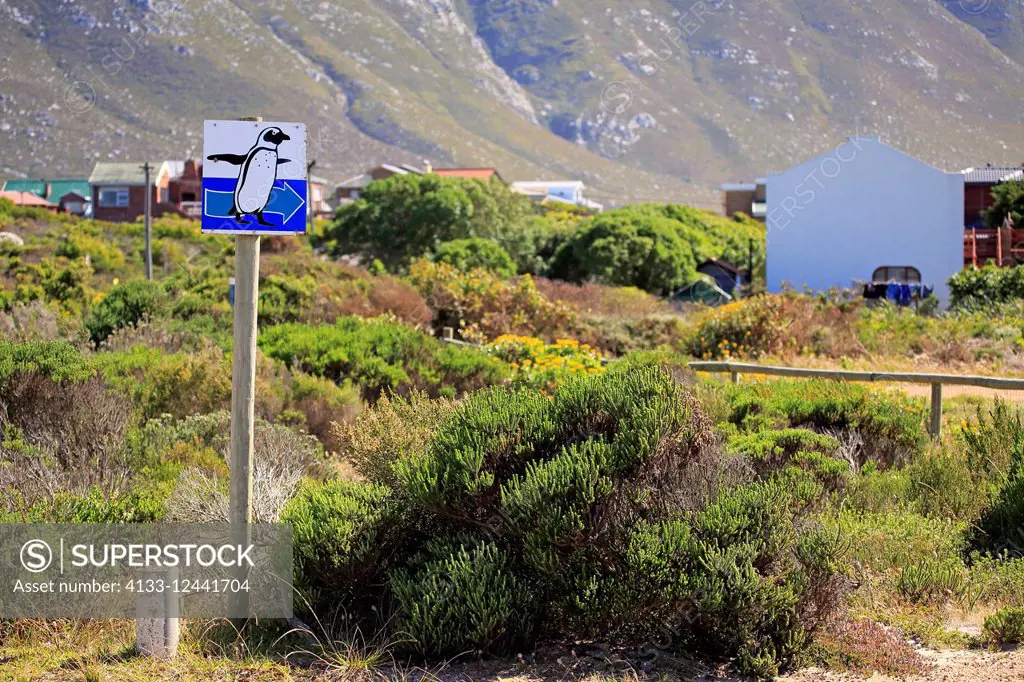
[254, 177]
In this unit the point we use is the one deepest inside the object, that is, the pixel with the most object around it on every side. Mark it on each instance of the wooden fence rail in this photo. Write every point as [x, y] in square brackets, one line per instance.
[936, 381]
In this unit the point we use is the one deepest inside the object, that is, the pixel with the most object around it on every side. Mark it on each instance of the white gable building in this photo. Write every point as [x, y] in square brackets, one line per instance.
[843, 216]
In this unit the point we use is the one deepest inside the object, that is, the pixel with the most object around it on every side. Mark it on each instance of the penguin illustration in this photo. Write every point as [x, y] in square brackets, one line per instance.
[257, 176]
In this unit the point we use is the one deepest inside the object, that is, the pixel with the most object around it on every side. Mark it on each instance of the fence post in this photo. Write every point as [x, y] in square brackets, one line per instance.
[935, 426]
[448, 334]
[735, 377]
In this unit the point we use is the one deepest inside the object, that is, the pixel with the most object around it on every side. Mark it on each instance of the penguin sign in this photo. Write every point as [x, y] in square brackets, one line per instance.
[254, 177]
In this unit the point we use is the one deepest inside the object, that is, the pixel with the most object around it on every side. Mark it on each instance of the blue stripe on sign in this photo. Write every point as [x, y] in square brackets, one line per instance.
[285, 209]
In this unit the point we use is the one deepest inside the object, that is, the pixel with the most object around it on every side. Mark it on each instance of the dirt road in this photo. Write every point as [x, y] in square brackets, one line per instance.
[947, 666]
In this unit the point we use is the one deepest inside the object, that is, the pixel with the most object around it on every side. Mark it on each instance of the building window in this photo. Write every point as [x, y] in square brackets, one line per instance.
[114, 197]
[897, 273]
[163, 195]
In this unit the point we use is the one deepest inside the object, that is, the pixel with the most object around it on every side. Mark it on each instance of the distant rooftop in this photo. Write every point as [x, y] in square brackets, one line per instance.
[468, 173]
[104, 173]
[52, 189]
[25, 199]
[991, 175]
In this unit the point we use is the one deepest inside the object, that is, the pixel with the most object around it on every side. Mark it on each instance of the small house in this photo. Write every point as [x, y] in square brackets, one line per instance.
[746, 198]
[565, 191]
[53, 190]
[74, 203]
[727, 276]
[838, 218]
[978, 186]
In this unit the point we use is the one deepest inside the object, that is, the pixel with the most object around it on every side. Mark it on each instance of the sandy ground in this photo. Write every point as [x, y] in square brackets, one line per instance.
[924, 391]
[948, 666]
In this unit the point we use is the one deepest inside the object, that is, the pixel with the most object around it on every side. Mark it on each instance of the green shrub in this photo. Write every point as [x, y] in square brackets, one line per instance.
[125, 305]
[282, 299]
[982, 288]
[473, 254]
[463, 600]
[1001, 527]
[103, 256]
[1006, 626]
[381, 355]
[930, 580]
[179, 384]
[393, 428]
[890, 425]
[60, 426]
[751, 327]
[737, 579]
[579, 500]
[792, 453]
[144, 505]
[642, 251]
[482, 306]
[55, 360]
[343, 535]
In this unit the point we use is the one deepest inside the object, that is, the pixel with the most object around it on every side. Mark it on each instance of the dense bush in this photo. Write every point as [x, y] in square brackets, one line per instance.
[748, 328]
[645, 252]
[471, 254]
[380, 355]
[343, 535]
[890, 426]
[103, 257]
[93, 505]
[530, 519]
[1006, 626]
[179, 384]
[482, 306]
[655, 247]
[795, 454]
[985, 286]
[125, 305]
[60, 428]
[1007, 200]
[406, 217]
[392, 428]
[1001, 528]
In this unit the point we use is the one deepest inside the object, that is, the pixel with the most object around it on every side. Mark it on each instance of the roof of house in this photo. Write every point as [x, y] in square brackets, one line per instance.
[25, 199]
[37, 187]
[48, 188]
[356, 182]
[74, 196]
[728, 266]
[131, 173]
[468, 173]
[59, 188]
[397, 170]
[543, 184]
[992, 175]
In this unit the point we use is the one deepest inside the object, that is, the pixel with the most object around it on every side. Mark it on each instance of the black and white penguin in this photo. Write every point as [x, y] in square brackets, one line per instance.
[257, 176]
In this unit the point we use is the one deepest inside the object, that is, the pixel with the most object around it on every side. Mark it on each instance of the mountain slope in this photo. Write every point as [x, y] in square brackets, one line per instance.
[641, 99]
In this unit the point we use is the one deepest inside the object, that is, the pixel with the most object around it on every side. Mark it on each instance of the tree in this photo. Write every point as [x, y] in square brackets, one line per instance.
[1008, 200]
[470, 254]
[400, 219]
[406, 217]
[628, 249]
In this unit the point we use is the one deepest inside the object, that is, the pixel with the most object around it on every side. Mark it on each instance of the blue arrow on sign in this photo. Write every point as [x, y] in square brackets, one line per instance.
[284, 201]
